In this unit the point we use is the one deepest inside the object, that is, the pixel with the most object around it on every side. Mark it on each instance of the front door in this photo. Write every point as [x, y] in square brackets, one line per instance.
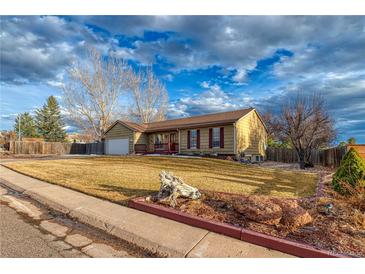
[173, 142]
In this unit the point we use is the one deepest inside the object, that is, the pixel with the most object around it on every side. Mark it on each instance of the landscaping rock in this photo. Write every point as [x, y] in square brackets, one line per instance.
[259, 209]
[294, 216]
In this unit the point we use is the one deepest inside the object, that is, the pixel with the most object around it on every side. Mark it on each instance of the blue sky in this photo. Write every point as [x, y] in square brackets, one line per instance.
[208, 63]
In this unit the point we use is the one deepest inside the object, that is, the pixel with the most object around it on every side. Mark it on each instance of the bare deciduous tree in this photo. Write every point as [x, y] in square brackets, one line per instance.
[93, 88]
[273, 128]
[306, 122]
[271, 123]
[149, 95]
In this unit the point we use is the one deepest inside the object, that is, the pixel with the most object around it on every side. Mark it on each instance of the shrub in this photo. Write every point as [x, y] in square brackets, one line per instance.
[351, 172]
[356, 195]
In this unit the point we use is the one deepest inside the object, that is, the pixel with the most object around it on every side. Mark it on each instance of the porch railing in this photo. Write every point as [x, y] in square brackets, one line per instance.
[140, 148]
[166, 147]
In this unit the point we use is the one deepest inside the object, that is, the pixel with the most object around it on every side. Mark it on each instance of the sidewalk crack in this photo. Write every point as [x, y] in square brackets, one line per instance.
[186, 255]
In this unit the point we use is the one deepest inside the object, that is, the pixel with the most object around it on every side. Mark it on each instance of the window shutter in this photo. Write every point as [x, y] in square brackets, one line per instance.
[210, 138]
[198, 138]
[188, 139]
[221, 135]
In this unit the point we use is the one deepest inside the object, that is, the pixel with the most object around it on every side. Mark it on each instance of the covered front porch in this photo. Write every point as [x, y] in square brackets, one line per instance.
[160, 143]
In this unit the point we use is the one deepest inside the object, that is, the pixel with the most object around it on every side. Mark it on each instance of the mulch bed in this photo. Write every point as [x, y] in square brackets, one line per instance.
[339, 229]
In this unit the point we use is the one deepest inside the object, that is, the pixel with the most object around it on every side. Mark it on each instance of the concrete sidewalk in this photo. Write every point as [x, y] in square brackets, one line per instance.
[158, 235]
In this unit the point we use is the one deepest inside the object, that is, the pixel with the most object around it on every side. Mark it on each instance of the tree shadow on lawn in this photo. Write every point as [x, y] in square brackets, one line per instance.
[181, 165]
[170, 162]
[130, 193]
[220, 170]
[265, 186]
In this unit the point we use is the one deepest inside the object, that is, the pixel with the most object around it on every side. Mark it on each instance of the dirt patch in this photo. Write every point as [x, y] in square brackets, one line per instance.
[330, 223]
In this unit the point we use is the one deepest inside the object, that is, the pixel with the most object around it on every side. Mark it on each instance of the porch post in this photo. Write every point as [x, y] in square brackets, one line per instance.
[178, 130]
[169, 143]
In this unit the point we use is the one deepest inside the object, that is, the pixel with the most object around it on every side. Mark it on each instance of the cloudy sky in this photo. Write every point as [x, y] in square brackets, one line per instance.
[207, 63]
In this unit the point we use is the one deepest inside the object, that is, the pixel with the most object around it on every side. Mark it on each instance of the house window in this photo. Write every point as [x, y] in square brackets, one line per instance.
[193, 137]
[216, 138]
[158, 139]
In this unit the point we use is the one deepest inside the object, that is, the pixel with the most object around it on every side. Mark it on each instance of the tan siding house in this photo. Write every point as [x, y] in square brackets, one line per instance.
[251, 135]
[240, 132]
[227, 148]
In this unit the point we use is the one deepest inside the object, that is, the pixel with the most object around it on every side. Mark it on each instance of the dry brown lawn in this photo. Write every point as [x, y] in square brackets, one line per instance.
[121, 178]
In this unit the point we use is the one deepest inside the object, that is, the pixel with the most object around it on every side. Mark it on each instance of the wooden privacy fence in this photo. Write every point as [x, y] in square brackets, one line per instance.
[326, 157]
[20, 147]
[94, 148]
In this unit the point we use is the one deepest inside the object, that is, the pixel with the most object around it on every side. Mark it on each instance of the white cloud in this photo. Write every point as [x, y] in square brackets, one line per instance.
[36, 49]
[230, 32]
[212, 100]
[204, 84]
[240, 75]
[169, 77]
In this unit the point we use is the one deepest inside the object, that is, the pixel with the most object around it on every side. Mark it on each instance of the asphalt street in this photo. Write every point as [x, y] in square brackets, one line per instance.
[21, 239]
[28, 230]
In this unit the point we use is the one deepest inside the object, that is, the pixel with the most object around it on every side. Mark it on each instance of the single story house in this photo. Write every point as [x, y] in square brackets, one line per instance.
[224, 133]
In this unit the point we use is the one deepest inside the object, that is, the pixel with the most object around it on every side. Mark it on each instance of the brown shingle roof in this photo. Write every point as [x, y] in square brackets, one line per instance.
[194, 121]
[135, 126]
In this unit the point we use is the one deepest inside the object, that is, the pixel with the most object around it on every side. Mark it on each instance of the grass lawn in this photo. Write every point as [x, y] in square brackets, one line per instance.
[121, 178]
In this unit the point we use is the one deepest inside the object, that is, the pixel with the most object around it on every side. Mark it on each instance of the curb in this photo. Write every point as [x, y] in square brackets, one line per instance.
[221, 228]
[286, 246]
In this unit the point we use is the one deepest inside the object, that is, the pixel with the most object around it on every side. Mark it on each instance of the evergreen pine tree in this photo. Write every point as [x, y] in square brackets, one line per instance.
[351, 171]
[49, 122]
[24, 124]
[351, 141]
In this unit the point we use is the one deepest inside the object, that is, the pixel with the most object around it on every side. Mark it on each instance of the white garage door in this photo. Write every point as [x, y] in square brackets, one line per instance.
[117, 146]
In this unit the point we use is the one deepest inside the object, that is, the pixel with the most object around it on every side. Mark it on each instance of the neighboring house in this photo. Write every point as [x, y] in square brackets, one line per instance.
[360, 148]
[224, 133]
[79, 138]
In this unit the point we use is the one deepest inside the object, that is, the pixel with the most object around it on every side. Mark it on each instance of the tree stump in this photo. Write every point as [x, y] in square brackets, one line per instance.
[173, 187]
